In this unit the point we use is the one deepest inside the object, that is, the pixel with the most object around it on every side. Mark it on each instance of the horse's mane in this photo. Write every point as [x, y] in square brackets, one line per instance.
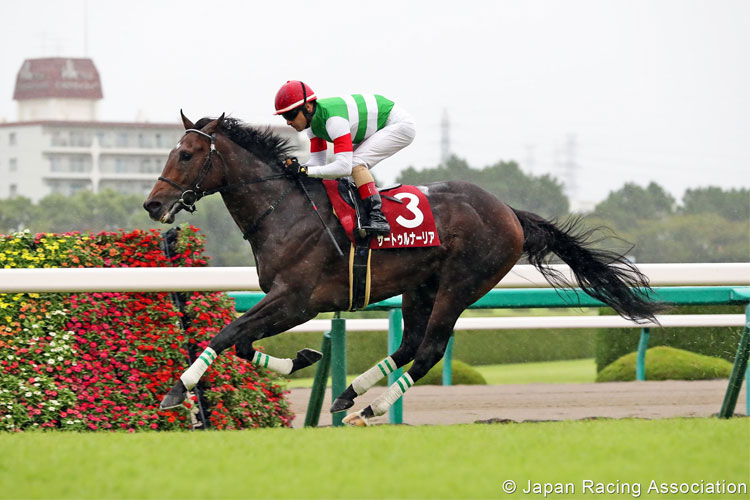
[263, 143]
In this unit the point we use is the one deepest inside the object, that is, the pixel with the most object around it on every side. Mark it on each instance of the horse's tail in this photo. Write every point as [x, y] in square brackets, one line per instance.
[603, 274]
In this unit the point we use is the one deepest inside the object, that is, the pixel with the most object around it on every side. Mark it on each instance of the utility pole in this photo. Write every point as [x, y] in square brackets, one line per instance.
[570, 167]
[529, 161]
[445, 137]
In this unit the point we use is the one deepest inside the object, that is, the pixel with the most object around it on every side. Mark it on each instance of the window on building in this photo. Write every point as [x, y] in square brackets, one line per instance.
[12, 139]
[13, 165]
[123, 140]
[77, 164]
[55, 164]
[57, 139]
[122, 165]
[13, 190]
[80, 138]
[76, 186]
[145, 141]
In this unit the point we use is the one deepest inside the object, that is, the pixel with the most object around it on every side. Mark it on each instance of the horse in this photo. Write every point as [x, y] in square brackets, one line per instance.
[302, 274]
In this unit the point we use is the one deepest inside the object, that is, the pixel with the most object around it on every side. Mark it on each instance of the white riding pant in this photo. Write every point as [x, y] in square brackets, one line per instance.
[399, 132]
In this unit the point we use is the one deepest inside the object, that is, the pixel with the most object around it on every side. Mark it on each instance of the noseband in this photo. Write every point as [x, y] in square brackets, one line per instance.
[191, 194]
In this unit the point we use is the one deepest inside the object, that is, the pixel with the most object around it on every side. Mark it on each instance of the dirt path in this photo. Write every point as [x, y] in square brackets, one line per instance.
[437, 405]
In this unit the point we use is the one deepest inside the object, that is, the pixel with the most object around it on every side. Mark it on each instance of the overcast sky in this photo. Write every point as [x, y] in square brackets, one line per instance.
[619, 91]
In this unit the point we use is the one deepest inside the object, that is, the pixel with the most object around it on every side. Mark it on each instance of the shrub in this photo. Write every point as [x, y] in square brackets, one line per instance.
[94, 361]
[481, 347]
[720, 342]
[462, 374]
[667, 363]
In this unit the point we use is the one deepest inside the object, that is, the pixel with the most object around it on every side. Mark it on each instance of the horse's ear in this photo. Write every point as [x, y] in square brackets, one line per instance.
[186, 121]
[211, 127]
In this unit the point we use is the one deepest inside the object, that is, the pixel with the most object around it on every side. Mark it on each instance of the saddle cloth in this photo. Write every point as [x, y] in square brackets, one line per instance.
[410, 217]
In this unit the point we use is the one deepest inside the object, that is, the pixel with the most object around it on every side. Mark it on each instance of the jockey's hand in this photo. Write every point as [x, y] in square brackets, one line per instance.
[293, 169]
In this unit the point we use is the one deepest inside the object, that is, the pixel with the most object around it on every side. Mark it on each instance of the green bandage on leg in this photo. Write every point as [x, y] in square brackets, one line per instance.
[395, 391]
[281, 366]
[371, 377]
[193, 374]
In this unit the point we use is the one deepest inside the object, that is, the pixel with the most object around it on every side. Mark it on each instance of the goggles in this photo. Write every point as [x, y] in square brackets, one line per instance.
[291, 115]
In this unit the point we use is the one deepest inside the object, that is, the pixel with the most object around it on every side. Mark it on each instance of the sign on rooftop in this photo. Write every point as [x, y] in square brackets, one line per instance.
[58, 77]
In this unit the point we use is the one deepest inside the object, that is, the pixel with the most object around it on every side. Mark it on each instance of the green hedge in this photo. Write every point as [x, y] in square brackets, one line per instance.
[482, 347]
[461, 374]
[667, 363]
[720, 342]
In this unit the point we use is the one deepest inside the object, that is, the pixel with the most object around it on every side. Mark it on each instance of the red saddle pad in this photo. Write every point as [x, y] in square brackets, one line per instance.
[411, 219]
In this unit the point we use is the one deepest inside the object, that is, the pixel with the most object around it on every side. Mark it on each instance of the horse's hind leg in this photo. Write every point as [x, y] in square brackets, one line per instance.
[417, 307]
[452, 299]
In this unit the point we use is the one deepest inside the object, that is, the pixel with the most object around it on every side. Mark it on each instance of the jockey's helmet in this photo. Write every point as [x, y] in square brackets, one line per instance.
[292, 95]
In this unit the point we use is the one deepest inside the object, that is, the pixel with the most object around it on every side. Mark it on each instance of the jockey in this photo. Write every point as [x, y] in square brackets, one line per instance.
[364, 129]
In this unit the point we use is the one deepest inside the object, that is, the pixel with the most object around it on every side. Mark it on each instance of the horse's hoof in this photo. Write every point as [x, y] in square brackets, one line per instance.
[341, 405]
[174, 397]
[305, 358]
[355, 420]
[310, 355]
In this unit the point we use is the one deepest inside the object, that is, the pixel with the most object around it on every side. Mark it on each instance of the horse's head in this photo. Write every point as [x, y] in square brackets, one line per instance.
[194, 168]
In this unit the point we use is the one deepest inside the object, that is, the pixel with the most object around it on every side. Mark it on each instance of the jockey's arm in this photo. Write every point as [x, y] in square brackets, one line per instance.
[318, 150]
[341, 166]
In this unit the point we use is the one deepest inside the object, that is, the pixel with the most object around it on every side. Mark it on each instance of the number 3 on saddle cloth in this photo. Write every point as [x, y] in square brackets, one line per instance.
[412, 226]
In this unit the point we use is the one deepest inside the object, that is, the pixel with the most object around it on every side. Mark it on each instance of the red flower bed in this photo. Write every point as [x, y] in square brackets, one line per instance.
[97, 361]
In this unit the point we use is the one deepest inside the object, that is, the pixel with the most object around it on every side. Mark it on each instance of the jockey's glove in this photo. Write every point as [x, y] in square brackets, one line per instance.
[293, 169]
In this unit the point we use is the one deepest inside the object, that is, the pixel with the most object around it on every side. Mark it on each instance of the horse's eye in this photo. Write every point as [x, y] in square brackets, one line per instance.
[185, 156]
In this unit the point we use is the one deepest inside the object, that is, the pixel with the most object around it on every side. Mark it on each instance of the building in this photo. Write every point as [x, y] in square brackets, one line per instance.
[59, 146]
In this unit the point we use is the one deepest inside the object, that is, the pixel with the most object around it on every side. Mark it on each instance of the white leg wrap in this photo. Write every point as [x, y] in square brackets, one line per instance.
[363, 383]
[193, 374]
[386, 400]
[282, 366]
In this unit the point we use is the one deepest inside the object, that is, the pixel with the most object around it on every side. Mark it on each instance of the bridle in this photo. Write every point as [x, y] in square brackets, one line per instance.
[192, 193]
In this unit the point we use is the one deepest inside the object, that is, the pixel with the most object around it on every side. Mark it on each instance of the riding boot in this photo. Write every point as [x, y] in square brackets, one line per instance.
[376, 223]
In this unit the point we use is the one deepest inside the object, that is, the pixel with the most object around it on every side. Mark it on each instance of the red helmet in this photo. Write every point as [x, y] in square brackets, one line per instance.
[293, 94]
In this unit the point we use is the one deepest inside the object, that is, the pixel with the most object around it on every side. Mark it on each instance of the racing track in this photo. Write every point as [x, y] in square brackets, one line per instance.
[461, 404]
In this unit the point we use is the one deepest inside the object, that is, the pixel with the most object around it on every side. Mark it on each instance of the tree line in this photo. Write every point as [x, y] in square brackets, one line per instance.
[707, 224]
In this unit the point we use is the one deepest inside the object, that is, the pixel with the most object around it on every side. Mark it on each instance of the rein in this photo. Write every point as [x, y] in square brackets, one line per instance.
[191, 194]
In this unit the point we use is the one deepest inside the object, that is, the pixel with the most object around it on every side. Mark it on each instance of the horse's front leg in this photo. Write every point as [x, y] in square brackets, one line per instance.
[276, 313]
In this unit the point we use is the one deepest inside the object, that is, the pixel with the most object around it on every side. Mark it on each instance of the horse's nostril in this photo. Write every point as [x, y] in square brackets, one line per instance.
[152, 206]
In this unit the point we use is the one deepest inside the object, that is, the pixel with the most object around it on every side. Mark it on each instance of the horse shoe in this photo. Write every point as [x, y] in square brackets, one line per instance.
[355, 420]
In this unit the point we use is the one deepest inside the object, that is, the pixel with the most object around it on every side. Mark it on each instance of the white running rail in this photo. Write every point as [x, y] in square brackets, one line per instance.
[184, 279]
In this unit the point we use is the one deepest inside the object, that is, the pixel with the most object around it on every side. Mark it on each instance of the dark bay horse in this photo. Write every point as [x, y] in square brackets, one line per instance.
[302, 275]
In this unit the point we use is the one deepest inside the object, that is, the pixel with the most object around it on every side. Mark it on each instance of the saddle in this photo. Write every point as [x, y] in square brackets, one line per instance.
[405, 207]
[412, 225]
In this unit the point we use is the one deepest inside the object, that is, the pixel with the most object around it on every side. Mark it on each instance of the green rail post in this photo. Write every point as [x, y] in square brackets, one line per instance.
[338, 363]
[448, 362]
[395, 333]
[640, 363]
[738, 370]
[320, 382]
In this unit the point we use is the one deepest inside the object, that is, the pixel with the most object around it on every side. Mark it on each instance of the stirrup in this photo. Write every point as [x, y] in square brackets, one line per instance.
[377, 229]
